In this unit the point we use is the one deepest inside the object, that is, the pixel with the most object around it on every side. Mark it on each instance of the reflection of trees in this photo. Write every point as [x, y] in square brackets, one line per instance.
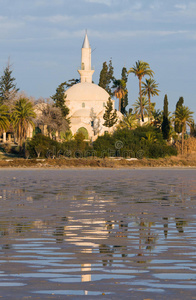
[180, 223]
[59, 232]
[108, 254]
[165, 227]
[3, 231]
[147, 239]
[6, 247]
[22, 227]
[123, 228]
[9, 228]
[118, 230]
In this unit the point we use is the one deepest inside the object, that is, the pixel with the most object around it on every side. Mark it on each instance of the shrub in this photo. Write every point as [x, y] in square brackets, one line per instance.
[124, 142]
[41, 146]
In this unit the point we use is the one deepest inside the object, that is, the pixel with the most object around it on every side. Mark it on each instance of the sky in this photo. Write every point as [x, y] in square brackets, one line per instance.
[43, 40]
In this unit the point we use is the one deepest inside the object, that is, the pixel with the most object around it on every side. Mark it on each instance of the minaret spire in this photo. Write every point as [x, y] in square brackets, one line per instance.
[86, 72]
[86, 43]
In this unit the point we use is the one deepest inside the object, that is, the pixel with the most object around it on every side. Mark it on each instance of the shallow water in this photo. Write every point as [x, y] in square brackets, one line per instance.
[105, 234]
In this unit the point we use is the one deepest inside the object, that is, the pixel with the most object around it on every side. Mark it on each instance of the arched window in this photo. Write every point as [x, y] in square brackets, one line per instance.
[83, 104]
[84, 131]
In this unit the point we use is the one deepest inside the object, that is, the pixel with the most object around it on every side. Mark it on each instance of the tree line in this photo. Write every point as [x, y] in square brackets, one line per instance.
[17, 111]
[172, 126]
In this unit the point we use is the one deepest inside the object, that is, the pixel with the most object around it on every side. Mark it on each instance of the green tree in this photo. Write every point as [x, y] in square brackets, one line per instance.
[106, 77]
[128, 121]
[178, 128]
[141, 104]
[22, 117]
[8, 88]
[79, 138]
[183, 117]
[193, 129]
[165, 123]
[59, 100]
[124, 100]
[71, 82]
[120, 91]
[157, 118]
[4, 118]
[150, 88]
[66, 135]
[140, 70]
[110, 115]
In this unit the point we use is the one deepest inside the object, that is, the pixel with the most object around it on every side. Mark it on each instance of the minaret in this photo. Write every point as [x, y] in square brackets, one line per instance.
[86, 72]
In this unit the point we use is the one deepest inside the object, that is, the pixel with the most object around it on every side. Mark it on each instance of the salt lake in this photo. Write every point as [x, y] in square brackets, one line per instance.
[98, 233]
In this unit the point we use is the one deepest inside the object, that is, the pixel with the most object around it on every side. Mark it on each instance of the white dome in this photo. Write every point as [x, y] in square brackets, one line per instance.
[86, 91]
[82, 113]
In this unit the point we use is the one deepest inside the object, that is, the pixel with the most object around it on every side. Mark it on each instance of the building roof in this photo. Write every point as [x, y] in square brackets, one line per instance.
[86, 92]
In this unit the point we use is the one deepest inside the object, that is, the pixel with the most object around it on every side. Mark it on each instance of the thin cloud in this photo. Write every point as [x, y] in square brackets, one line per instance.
[58, 19]
[137, 33]
[180, 6]
[8, 26]
[105, 2]
[187, 11]
[46, 3]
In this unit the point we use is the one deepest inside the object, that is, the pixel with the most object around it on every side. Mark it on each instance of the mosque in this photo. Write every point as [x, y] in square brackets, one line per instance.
[87, 100]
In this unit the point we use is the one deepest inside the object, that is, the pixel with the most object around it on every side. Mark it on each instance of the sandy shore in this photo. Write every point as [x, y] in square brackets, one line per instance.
[171, 162]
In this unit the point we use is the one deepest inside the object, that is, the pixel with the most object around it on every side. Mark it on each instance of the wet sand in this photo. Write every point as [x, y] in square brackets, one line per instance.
[98, 234]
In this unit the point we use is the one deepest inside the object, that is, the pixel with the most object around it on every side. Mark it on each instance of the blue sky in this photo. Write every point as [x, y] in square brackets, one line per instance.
[43, 39]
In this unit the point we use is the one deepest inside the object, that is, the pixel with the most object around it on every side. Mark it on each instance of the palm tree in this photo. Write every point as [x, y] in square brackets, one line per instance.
[22, 117]
[150, 88]
[157, 118]
[183, 117]
[141, 105]
[120, 91]
[140, 70]
[4, 118]
[128, 121]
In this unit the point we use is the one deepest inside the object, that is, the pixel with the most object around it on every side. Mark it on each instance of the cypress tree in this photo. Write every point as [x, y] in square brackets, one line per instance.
[8, 88]
[124, 100]
[110, 115]
[106, 77]
[177, 127]
[166, 123]
[59, 100]
[103, 76]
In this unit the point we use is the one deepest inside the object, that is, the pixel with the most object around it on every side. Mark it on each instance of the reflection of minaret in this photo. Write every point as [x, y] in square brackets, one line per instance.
[86, 268]
[86, 72]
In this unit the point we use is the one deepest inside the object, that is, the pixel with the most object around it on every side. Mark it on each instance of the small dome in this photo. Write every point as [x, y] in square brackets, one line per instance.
[86, 91]
[81, 113]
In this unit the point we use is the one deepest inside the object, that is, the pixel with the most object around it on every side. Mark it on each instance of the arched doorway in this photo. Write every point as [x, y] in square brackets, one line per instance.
[84, 131]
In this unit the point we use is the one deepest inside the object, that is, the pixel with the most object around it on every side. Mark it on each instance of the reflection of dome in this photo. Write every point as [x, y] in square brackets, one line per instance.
[86, 91]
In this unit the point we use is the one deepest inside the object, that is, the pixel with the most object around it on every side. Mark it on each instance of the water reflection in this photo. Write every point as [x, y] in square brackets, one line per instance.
[97, 229]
